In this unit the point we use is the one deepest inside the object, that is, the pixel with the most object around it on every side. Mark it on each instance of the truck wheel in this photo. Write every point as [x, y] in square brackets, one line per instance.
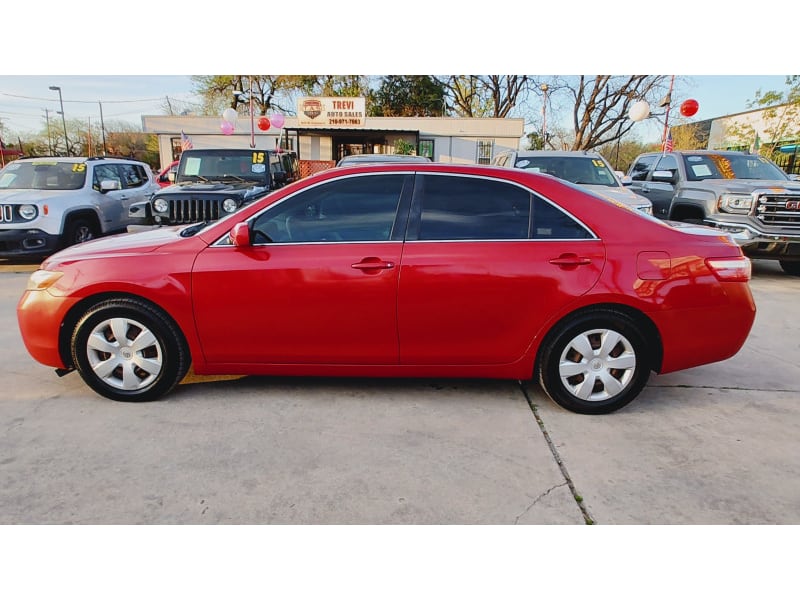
[594, 364]
[790, 267]
[128, 350]
[77, 231]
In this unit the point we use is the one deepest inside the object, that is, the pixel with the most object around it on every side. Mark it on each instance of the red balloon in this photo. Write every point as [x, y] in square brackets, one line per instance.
[263, 123]
[689, 107]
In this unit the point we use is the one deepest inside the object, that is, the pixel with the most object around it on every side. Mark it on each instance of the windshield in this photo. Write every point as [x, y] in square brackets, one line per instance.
[585, 170]
[730, 166]
[249, 166]
[43, 175]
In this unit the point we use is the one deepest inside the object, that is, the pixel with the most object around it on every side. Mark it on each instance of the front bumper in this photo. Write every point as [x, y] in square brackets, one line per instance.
[757, 243]
[27, 242]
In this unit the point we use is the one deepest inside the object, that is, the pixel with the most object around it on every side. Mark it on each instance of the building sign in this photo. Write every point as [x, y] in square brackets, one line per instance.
[336, 111]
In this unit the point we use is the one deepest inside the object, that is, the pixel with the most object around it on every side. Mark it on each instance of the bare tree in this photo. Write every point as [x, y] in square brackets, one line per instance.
[485, 95]
[601, 104]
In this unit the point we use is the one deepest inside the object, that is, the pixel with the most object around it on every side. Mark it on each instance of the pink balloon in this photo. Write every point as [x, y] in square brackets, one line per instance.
[277, 120]
[226, 127]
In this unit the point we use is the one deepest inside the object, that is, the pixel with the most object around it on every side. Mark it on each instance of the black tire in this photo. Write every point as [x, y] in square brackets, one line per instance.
[791, 267]
[77, 231]
[149, 363]
[614, 374]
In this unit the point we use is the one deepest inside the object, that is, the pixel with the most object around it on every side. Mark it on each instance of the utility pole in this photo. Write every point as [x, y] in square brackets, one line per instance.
[55, 88]
[544, 87]
[102, 128]
[49, 138]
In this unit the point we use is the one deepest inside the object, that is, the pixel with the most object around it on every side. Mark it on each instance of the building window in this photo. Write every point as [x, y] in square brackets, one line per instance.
[485, 152]
[425, 148]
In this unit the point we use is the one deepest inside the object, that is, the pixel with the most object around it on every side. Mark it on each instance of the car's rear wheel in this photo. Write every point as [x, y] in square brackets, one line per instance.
[128, 350]
[595, 363]
[790, 267]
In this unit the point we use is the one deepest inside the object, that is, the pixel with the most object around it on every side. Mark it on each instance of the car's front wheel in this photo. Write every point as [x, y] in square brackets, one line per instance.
[128, 350]
[596, 363]
[78, 230]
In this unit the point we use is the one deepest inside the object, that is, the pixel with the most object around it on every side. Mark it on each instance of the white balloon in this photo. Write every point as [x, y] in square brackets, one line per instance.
[229, 115]
[639, 111]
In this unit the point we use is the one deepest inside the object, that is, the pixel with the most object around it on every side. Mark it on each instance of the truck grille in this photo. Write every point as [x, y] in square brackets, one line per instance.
[779, 210]
[193, 210]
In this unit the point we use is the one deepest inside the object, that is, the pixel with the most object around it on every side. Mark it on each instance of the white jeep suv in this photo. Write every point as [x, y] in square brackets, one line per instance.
[53, 202]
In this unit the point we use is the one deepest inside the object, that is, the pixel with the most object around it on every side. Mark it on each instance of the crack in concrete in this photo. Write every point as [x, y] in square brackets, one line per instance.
[539, 497]
[587, 516]
[721, 387]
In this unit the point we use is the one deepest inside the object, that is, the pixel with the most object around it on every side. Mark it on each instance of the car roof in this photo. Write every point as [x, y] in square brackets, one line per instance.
[564, 153]
[382, 158]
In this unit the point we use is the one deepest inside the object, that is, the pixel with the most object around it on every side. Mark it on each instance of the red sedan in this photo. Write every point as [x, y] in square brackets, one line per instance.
[412, 270]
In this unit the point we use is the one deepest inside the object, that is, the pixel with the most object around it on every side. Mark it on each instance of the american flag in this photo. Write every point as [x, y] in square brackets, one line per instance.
[186, 142]
[668, 144]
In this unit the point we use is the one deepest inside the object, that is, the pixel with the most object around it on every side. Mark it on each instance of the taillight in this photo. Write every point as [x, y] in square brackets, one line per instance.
[730, 269]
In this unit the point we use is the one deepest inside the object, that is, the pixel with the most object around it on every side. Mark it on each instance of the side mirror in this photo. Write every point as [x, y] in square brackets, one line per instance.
[665, 176]
[794, 177]
[108, 185]
[240, 235]
[625, 180]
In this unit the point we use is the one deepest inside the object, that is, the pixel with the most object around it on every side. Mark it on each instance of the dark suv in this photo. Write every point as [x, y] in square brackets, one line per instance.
[212, 183]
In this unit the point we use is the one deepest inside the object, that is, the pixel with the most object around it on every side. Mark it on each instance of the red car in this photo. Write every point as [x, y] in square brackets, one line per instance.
[399, 270]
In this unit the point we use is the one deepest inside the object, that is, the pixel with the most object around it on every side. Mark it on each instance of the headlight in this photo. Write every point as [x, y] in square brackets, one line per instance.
[27, 211]
[41, 280]
[160, 205]
[735, 203]
[229, 205]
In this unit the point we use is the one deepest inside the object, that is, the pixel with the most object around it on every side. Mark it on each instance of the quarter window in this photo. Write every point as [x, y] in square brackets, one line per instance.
[349, 210]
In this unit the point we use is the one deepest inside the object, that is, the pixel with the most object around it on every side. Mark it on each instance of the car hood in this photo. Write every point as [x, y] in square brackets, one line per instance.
[618, 194]
[122, 243]
[215, 186]
[31, 196]
[746, 186]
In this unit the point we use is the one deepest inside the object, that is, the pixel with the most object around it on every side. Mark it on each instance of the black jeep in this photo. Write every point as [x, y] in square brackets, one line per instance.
[212, 183]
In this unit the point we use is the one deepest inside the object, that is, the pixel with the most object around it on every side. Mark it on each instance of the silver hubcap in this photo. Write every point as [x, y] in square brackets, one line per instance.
[83, 234]
[124, 354]
[597, 365]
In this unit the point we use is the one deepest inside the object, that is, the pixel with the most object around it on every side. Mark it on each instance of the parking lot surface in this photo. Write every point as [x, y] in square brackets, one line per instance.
[713, 445]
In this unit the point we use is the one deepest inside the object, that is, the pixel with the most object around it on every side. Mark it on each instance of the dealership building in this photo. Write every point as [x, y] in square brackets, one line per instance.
[327, 128]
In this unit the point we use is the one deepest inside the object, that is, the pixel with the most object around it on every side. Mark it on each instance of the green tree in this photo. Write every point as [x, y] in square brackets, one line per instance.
[407, 96]
[780, 117]
[403, 147]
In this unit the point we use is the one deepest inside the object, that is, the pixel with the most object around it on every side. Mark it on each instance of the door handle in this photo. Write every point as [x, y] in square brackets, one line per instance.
[570, 261]
[372, 263]
[645, 188]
